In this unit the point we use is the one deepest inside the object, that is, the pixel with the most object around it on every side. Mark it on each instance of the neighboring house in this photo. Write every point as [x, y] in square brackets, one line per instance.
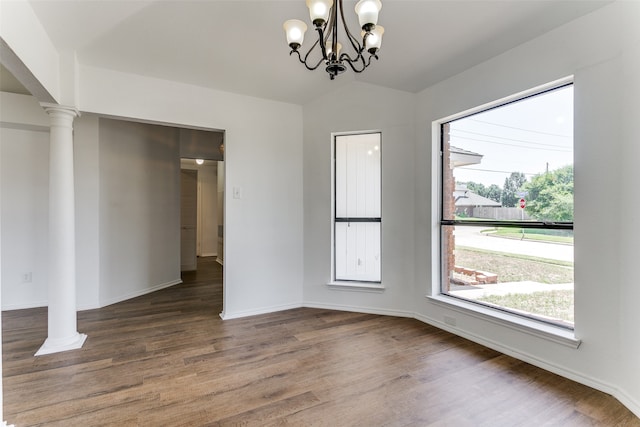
[460, 157]
[466, 201]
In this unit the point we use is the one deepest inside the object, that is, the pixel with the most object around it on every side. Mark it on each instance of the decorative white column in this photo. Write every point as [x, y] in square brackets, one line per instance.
[62, 327]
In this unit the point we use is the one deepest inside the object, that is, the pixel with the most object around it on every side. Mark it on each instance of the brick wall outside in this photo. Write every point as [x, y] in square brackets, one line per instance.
[448, 208]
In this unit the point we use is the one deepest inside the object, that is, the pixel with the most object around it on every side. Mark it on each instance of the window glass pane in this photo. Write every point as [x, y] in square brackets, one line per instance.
[358, 176]
[514, 162]
[357, 251]
[527, 271]
[505, 168]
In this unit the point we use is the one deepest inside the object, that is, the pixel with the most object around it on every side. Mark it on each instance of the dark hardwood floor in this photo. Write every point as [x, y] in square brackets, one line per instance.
[167, 359]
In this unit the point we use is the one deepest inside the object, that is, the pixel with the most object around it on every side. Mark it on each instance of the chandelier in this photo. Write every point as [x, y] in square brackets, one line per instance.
[324, 16]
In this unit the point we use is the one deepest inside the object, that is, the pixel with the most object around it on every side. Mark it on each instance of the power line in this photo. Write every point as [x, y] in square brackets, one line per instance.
[519, 128]
[509, 139]
[512, 145]
[495, 171]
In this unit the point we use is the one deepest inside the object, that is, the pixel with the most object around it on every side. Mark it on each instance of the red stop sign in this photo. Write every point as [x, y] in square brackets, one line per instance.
[523, 203]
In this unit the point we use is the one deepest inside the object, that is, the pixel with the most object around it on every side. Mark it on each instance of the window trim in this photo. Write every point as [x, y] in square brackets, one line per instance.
[353, 285]
[549, 331]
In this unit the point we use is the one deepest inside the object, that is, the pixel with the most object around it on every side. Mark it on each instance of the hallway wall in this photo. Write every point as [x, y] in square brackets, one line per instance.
[139, 208]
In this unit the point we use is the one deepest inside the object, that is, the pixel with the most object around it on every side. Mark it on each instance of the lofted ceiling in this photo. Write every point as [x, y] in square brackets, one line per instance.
[239, 46]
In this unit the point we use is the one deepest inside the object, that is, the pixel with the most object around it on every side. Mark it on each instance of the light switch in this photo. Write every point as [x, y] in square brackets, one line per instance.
[237, 192]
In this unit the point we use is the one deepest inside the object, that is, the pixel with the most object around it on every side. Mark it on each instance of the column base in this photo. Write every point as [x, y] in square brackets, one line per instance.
[51, 346]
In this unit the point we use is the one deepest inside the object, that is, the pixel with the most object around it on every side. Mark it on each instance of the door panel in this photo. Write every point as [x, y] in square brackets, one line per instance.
[188, 219]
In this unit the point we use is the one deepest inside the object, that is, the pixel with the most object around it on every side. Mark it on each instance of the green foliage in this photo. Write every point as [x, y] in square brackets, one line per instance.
[550, 195]
[512, 186]
[492, 192]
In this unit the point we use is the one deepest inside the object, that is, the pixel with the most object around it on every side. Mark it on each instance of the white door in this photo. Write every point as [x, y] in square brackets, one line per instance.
[188, 219]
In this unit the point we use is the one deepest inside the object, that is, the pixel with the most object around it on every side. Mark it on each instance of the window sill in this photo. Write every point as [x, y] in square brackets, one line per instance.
[545, 331]
[356, 286]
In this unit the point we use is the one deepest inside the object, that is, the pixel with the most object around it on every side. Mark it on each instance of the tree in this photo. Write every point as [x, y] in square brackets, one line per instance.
[512, 186]
[550, 195]
[492, 192]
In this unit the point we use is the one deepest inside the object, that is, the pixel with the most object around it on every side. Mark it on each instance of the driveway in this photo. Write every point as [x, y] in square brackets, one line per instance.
[471, 237]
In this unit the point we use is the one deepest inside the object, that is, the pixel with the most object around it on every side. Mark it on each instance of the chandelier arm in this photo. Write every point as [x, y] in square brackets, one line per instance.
[352, 39]
[328, 26]
[321, 39]
[334, 29]
[304, 61]
[352, 62]
[323, 50]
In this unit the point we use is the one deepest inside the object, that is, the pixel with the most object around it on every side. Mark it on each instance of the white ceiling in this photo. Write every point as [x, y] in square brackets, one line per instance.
[239, 46]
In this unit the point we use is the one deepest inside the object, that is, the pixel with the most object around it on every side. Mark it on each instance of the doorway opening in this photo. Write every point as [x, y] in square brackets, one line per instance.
[202, 176]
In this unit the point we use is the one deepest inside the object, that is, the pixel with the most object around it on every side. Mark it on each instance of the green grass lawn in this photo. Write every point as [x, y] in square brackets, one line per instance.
[516, 233]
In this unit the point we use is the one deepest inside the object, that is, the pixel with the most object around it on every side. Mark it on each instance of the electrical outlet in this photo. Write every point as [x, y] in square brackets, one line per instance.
[26, 277]
[451, 321]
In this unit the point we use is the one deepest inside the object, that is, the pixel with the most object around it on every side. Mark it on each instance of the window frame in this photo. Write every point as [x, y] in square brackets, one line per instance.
[534, 326]
[351, 284]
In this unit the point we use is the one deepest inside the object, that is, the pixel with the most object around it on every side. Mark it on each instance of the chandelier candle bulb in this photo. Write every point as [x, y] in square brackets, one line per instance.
[295, 30]
[319, 11]
[374, 39]
[338, 49]
[367, 11]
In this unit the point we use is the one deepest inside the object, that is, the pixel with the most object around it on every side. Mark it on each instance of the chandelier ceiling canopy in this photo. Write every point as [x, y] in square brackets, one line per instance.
[324, 16]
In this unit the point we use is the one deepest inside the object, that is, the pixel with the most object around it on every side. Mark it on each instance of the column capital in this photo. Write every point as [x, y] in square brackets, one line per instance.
[49, 108]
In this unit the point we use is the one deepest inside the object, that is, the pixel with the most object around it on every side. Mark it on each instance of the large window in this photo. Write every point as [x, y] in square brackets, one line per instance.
[507, 207]
[357, 216]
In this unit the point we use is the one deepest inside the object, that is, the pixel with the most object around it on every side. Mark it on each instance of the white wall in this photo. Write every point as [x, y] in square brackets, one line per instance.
[139, 208]
[24, 157]
[123, 172]
[361, 107]
[629, 316]
[601, 50]
[86, 149]
[263, 158]
[591, 48]
[29, 51]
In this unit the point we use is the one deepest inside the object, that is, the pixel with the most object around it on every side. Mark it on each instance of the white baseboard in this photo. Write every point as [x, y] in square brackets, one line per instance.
[105, 303]
[262, 310]
[623, 397]
[627, 401]
[562, 371]
[35, 304]
[367, 310]
[219, 261]
[208, 254]
[138, 293]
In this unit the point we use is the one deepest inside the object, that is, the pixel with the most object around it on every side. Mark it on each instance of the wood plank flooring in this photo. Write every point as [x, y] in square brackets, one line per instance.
[167, 359]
